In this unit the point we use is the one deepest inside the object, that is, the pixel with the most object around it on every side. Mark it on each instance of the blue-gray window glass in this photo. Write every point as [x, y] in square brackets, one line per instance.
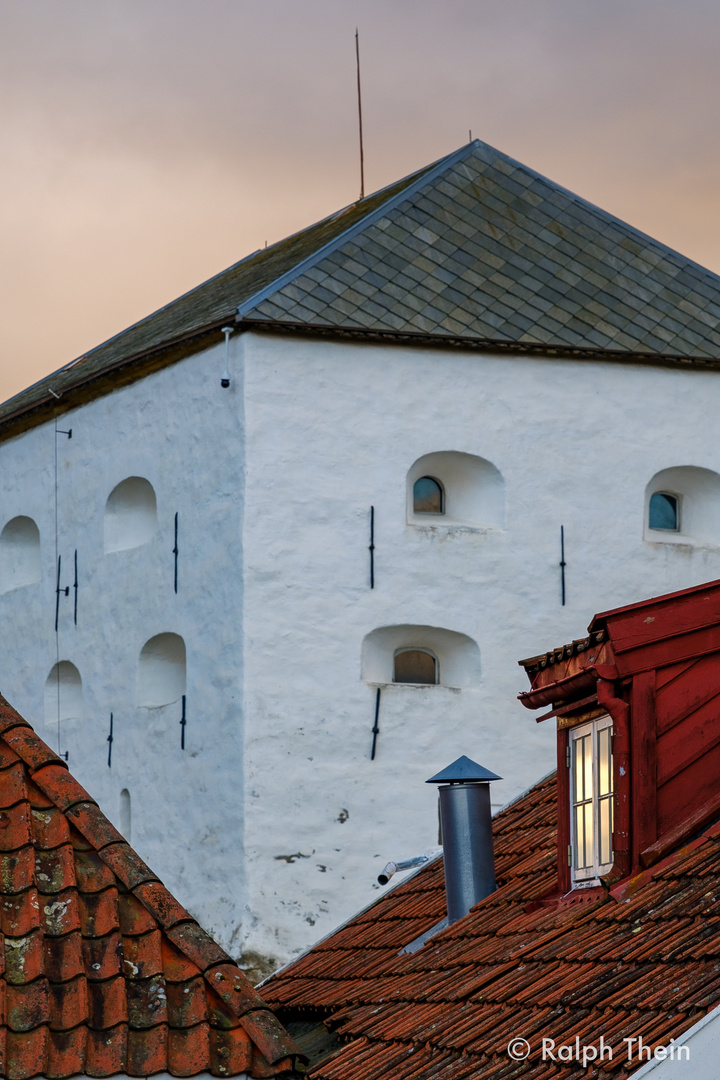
[427, 496]
[663, 511]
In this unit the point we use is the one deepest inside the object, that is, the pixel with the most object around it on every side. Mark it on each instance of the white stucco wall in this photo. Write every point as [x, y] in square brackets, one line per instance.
[333, 429]
[272, 825]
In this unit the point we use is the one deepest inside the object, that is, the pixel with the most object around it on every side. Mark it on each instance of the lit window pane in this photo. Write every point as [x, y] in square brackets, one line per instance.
[604, 762]
[415, 666]
[588, 833]
[577, 770]
[579, 839]
[427, 496]
[663, 512]
[587, 766]
[605, 831]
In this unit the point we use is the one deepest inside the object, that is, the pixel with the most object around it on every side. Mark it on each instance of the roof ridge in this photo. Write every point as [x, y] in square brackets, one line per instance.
[425, 176]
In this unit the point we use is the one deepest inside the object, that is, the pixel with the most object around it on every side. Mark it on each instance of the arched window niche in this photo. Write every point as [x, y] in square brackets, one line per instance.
[19, 554]
[161, 671]
[63, 693]
[412, 654]
[125, 814]
[130, 514]
[453, 488]
[682, 505]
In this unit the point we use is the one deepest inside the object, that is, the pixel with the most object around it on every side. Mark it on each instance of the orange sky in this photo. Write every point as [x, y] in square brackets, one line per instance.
[149, 143]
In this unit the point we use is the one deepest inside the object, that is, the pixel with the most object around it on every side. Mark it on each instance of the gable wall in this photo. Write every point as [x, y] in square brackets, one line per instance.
[333, 429]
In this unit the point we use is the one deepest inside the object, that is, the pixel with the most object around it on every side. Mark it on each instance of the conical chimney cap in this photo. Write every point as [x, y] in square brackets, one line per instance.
[463, 771]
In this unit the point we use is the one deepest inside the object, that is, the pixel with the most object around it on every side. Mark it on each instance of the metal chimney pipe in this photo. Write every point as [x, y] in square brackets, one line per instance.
[467, 834]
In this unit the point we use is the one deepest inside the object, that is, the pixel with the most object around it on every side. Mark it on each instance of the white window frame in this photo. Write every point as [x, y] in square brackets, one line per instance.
[597, 801]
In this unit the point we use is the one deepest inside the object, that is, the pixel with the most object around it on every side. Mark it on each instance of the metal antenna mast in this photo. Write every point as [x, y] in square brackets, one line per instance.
[360, 126]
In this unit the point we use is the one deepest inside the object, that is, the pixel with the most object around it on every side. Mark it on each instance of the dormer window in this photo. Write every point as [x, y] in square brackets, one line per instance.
[664, 512]
[591, 792]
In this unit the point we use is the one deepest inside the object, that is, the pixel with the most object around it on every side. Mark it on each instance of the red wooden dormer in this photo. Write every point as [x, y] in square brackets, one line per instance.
[637, 704]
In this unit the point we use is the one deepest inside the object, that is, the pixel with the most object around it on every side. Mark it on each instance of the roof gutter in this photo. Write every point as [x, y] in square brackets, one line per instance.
[563, 690]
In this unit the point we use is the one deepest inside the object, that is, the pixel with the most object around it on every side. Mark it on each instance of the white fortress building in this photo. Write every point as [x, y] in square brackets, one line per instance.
[324, 493]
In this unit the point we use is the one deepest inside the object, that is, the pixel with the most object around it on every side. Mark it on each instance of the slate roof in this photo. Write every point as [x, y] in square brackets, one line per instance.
[102, 971]
[643, 959]
[476, 250]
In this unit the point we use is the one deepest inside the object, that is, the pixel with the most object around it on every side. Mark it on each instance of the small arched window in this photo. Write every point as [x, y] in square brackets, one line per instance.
[415, 666]
[428, 496]
[664, 511]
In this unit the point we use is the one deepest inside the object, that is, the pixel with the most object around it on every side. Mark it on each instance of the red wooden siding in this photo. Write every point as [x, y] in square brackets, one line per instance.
[687, 714]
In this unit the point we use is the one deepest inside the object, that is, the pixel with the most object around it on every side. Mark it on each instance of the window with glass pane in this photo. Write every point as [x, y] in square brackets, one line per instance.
[415, 666]
[663, 512]
[592, 799]
[428, 496]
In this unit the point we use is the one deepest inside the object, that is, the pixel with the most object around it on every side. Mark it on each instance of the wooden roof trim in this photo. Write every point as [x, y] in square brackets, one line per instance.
[451, 341]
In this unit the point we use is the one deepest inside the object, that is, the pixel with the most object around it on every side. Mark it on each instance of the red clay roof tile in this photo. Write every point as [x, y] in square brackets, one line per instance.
[188, 1049]
[49, 827]
[186, 1003]
[12, 788]
[106, 1050]
[55, 869]
[230, 1052]
[61, 913]
[161, 904]
[103, 956]
[91, 823]
[98, 912]
[33, 751]
[66, 1052]
[60, 786]
[26, 1052]
[198, 946]
[126, 865]
[24, 957]
[96, 979]
[14, 827]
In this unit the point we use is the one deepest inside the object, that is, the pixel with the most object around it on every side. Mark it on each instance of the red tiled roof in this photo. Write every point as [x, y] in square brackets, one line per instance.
[103, 971]
[643, 960]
